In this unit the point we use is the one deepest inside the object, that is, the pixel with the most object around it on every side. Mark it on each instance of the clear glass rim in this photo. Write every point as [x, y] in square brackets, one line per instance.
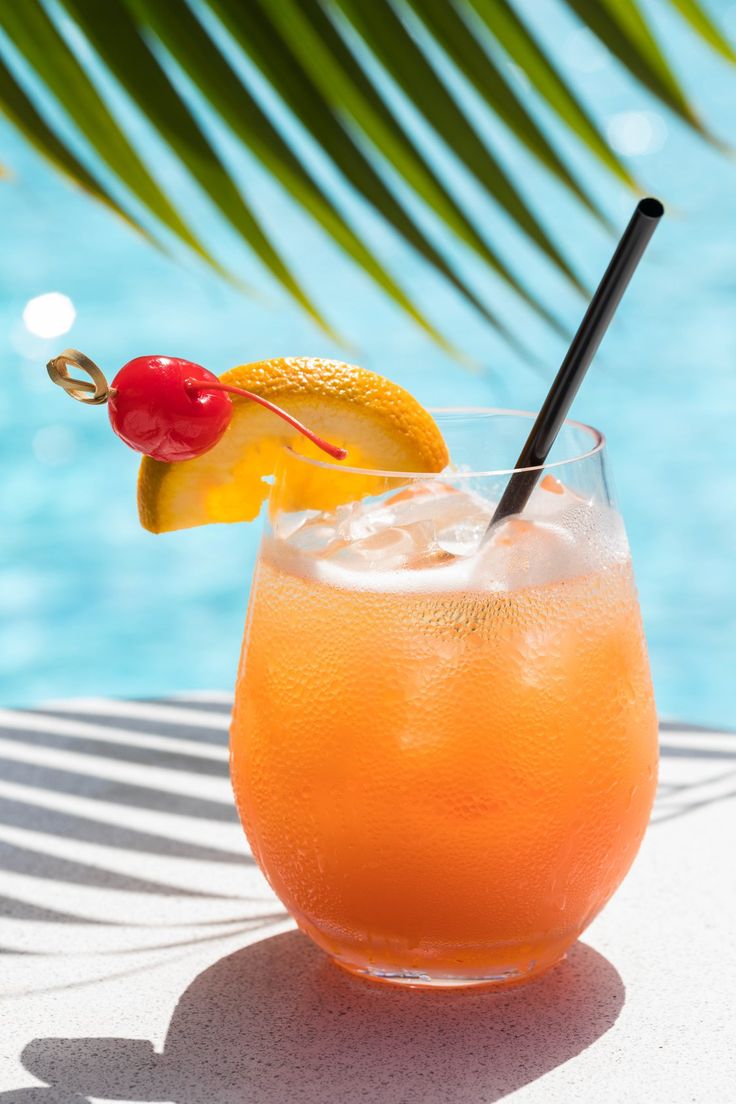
[598, 444]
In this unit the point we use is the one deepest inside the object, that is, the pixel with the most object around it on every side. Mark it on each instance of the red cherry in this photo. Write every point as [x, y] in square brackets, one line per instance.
[172, 409]
[162, 406]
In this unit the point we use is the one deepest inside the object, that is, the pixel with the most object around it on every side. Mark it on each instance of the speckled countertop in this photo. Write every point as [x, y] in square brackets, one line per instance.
[145, 959]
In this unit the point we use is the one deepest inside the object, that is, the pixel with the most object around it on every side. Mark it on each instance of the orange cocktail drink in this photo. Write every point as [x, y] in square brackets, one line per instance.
[444, 743]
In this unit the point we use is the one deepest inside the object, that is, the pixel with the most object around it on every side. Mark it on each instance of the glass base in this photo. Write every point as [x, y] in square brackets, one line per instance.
[503, 979]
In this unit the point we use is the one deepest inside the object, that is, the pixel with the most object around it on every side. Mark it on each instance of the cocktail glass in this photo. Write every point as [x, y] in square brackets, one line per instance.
[444, 741]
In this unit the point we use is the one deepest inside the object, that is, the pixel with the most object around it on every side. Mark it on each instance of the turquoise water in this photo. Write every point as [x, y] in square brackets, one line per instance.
[90, 604]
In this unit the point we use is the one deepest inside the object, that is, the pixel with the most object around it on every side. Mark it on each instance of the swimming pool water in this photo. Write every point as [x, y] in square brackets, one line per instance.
[91, 604]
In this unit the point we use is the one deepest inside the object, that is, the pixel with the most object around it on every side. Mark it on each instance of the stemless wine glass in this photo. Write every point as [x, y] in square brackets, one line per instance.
[444, 742]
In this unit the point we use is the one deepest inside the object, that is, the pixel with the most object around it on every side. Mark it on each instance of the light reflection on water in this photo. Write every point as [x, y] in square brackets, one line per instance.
[91, 604]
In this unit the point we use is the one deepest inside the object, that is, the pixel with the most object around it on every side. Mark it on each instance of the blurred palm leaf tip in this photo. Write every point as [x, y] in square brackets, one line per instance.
[337, 69]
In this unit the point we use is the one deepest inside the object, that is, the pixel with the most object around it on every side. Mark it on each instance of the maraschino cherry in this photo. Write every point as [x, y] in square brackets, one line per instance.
[156, 409]
[168, 408]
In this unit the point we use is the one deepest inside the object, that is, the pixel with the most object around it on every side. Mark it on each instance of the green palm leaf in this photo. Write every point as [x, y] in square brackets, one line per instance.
[120, 45]
[184, 38]
[701, 22]
[17, 107]
[37, 39]
[313, 54]
[506, 27]
[281, 66]
[621, 26]
[385, 34]
[346, 91]
[452, 33]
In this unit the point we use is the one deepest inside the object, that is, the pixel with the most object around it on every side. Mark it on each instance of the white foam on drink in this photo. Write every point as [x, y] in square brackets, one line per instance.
[432, 537]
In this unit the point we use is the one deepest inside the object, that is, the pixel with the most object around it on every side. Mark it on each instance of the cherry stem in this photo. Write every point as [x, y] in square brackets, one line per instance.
[332, 450]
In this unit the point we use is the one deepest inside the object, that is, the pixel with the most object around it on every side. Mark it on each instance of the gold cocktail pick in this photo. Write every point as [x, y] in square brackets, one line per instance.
[94, 393]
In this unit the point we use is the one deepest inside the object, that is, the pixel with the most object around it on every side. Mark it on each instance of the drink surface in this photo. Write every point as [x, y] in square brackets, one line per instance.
[445, 765]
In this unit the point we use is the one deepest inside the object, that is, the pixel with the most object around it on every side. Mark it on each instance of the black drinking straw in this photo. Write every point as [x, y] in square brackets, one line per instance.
[601, 310]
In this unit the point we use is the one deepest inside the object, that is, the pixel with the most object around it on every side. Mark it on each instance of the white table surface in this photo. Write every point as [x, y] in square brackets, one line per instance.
[143, 957]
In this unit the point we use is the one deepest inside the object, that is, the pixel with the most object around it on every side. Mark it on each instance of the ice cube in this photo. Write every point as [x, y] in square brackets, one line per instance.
[287, 524]
[551, 498]
[452, 521]
[419, 526]
[353, 522]
[414, 504]
[314, 539]
[424, 524]
[463, 538]
[388, 550]
[520, 553]
[306, 531]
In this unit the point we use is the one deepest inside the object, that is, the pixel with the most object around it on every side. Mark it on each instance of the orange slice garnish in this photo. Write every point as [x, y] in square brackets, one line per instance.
[380, 424]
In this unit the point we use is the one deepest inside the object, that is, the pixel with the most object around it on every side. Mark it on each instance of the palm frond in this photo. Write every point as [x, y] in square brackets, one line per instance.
[118, 41]
[703, 25]
[452, 34]
[340, 69]
[252, 28]
[19, 109]
[384, 33]
[35, 36]
[350, 93]
[515, 38]
[621, 26]
[186, 41]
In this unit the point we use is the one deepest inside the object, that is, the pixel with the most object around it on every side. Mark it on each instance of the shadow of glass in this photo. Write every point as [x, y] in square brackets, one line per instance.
[41, 1095]
[277, 1021]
